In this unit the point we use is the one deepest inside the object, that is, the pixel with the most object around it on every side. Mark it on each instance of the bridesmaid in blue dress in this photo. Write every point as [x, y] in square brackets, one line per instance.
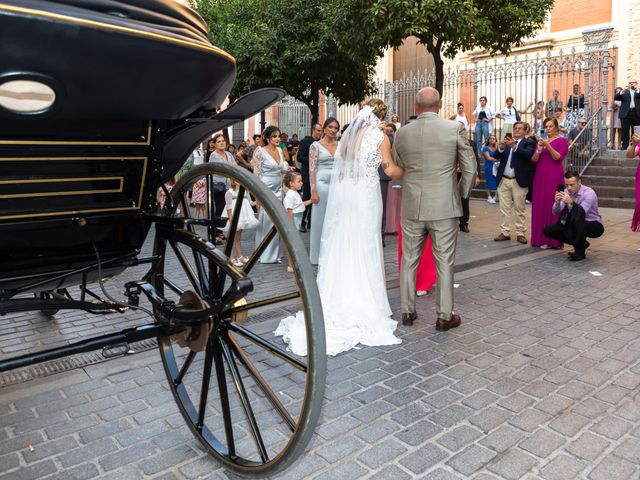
[269, 165]
[321, 156]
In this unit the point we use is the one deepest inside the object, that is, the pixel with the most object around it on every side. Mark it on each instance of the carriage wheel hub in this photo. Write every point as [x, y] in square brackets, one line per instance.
[194, 337]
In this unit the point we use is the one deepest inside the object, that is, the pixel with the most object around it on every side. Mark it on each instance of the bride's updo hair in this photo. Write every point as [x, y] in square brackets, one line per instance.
[267, 132]
[379, 108]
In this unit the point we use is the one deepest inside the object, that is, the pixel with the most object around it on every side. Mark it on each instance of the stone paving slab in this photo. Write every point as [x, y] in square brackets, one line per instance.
[540, 381]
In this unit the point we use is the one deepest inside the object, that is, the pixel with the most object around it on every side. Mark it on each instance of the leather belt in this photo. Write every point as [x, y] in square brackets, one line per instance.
[510, 178]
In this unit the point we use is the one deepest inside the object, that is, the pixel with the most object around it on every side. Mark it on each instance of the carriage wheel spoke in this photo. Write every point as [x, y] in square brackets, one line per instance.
[231, 235]
[261, 383]
[176, 289]
[234, 222]
[186, 266]
[184, 195]
[204, 389]
[224, 395]
[260, 249]
[259, 303]
[249, 335]
[185, 366]
[246, 404]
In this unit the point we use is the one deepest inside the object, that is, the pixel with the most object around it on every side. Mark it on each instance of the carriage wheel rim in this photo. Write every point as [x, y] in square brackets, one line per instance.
[226, 348]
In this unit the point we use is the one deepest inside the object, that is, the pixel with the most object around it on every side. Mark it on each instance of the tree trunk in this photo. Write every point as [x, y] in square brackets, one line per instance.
[314, 108]
[435, 49]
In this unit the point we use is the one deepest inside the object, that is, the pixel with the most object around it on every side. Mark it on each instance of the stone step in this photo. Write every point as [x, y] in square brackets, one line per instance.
[608, 181]
[628, 203]
[616, 154]
[604, 171]
[615, 162]
[614, 192]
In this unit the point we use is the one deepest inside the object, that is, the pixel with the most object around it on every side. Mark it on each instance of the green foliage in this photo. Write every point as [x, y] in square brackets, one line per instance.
[292, 45]
[445, 27]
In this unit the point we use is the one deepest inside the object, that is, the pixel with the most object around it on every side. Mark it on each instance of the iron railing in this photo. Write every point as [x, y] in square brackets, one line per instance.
[527, 79]
[585, 146]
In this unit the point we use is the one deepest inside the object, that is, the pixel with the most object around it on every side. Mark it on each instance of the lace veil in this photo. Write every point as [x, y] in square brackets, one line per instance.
[348, 164]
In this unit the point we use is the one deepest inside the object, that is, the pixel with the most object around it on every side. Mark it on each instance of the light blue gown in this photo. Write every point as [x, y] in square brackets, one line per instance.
[321, 160]
[270, 172]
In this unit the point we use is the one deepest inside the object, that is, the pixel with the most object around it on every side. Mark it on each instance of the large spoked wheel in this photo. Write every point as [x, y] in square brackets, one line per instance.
[249, 401]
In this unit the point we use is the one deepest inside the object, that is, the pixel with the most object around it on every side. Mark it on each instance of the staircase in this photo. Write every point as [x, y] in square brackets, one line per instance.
[611, 174]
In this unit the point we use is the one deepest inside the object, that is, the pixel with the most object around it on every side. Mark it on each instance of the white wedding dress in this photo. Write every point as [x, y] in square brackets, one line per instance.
[351, 266]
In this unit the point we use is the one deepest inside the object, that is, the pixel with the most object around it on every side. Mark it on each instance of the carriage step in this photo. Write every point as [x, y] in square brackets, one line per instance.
[116, 350]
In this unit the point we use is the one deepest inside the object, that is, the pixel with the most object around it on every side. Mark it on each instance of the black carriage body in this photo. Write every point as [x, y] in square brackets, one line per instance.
[60, 200]
[129, 78]
[133, 87]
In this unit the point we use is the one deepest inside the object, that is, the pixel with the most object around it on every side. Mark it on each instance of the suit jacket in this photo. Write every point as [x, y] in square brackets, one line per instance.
[429, 149]
[303, 152]
[520, 162]
[625, 98]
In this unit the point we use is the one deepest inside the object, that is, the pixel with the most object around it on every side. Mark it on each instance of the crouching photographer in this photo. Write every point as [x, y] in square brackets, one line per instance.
[577, 206]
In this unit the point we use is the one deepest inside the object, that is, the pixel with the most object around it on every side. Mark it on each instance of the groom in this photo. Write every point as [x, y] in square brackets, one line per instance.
[430, 149]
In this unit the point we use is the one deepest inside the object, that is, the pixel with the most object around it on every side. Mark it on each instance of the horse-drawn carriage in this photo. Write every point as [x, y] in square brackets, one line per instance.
[101, 102]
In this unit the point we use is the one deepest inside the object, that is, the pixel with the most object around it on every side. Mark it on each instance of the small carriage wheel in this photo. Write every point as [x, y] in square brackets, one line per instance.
[249, 401]
[49, 312]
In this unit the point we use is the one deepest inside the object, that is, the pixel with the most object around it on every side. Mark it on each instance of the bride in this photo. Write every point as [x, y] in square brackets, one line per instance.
[351, 265]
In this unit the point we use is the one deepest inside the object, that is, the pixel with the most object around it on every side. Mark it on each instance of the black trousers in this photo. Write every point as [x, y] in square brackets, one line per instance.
[590, 230]
[384, 188]
[627, 124]
[219, 204]
[306, 194]
[464, 219]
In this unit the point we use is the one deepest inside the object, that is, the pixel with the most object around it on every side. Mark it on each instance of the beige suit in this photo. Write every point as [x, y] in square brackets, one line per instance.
[430, 150]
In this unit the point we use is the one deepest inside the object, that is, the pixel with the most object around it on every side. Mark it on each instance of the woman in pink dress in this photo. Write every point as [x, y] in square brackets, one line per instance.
[634, 151]
[549, 157]
[426, 275]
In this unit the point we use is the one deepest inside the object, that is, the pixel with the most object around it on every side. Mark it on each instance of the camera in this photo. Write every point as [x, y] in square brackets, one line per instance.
[560, 188]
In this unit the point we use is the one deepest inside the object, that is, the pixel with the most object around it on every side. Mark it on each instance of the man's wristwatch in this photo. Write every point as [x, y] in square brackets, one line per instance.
[385, 165]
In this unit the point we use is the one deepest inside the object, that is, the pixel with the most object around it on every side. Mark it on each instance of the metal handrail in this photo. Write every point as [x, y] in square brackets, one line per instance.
[586, 146]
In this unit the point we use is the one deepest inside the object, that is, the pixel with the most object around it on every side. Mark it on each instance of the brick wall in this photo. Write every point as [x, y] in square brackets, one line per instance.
[569, 14]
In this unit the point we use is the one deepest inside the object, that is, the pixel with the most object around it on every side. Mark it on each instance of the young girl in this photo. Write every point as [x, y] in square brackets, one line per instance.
[293, 203]
[246, 221]
[161, 197]
[199, 197]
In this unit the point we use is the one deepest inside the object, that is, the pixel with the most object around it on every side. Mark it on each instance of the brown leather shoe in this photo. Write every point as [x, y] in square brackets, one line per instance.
[408, 318]
[444, 325]
[522, 239]
[502, 238]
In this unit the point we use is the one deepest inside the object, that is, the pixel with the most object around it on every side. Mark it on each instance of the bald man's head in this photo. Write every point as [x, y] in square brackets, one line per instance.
[428, 100]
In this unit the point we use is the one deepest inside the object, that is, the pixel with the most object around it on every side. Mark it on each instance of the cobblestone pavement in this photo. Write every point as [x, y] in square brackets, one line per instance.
[541, 381]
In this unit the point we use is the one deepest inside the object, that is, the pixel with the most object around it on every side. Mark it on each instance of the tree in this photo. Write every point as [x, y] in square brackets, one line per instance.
[445, 27]
[292, 45]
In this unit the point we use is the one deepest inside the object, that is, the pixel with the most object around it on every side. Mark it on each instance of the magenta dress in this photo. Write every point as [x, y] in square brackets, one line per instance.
[635, 222]
[549, 173]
